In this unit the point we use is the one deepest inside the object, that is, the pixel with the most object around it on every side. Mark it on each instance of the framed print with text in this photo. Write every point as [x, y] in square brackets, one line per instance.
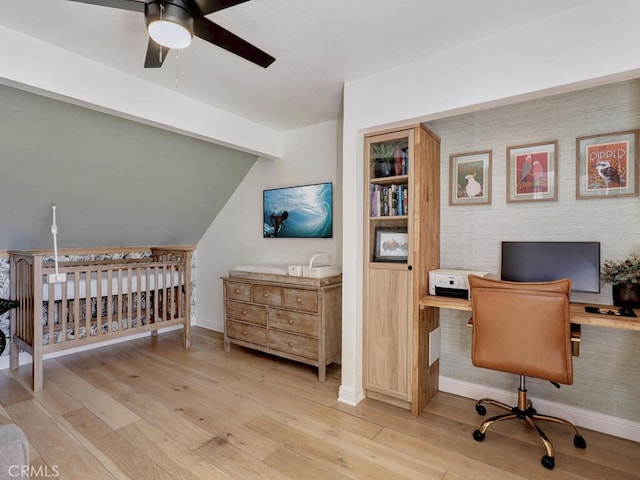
[607, 165]
[532, 172]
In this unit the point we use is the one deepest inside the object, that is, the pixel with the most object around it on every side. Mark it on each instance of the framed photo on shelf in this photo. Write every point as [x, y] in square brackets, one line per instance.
[470, 178]
[532, 172]
[391, 244]
[607, 165]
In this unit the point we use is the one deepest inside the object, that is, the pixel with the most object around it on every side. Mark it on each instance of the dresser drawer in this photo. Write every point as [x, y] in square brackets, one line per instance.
[267, 295]
[294, 344]
[306, 300]
[239, 291]
[297, 322]
[247, 312]
[247, 333]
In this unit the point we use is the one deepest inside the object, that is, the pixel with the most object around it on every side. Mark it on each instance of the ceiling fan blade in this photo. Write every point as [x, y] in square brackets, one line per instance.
[155, 58]
[133, 5]
[209, 31]
[209, 6]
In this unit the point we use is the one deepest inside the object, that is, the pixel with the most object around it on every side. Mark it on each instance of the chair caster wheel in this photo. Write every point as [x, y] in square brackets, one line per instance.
[579, 442]
[478, 436]
[548, 462]
[481, 410]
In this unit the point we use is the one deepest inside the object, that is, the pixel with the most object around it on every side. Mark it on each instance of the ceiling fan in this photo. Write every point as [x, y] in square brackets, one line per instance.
[173, 23]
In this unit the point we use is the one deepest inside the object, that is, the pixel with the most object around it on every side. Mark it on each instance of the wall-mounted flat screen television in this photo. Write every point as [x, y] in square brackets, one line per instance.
[304, 211]
[546, 261]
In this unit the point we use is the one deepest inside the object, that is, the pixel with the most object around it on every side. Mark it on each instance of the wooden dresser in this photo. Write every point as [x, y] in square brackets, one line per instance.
[297, 318]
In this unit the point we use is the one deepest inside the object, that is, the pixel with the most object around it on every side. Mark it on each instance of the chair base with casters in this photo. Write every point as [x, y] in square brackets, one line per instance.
[525, 411]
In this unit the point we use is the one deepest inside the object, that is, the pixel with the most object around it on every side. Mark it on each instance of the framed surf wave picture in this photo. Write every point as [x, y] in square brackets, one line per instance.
[304, 211]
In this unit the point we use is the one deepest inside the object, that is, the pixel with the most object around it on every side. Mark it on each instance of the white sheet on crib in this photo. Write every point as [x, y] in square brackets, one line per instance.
[164, 278]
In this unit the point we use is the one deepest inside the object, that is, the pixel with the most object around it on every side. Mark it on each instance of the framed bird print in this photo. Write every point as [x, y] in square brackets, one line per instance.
[607, 165]
[532, 172]
[470, 178]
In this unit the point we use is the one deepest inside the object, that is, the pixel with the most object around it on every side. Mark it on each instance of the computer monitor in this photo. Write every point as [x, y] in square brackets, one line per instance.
[546, 261]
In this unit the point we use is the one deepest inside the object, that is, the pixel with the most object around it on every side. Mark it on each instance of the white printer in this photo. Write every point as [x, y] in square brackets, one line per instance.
[451, 283]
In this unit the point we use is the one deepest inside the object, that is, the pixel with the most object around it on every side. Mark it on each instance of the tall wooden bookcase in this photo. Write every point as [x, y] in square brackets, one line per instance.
[401, 245]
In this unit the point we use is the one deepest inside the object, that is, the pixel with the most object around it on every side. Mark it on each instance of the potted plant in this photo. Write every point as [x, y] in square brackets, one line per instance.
[382, 153]
[624, 275]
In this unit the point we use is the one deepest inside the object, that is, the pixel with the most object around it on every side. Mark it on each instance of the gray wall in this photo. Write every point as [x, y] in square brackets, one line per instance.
[114, 181]
[606, 372]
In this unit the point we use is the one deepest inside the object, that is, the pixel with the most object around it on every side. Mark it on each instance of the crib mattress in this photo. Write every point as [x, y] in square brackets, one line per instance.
[129, 283]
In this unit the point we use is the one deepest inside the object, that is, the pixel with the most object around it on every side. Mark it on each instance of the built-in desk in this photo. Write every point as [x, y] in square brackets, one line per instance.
[578, 315]
[427, 381]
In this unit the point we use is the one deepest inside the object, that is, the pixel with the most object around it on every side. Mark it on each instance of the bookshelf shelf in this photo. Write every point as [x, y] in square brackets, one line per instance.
[390, 217]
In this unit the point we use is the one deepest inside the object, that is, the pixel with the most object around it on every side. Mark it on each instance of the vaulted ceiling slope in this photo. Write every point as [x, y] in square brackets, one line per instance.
[318, 45]
[114, 181]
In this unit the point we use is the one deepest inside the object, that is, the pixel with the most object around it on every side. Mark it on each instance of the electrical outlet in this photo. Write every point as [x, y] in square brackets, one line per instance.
[57, 277]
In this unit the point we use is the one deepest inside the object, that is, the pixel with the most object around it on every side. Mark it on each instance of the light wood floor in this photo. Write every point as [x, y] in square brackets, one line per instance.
[147, 409]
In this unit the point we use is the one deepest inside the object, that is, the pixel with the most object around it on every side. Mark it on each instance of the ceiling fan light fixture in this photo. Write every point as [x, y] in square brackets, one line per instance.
[169, 24]
[169, 34]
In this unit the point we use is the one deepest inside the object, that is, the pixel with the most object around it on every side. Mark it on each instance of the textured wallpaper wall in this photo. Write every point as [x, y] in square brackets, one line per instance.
[607, 371]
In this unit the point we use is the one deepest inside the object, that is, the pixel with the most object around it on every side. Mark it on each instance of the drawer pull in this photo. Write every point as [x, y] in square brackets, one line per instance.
[244, 332]
[236, 290]
[265, 295]
[290, 321]
[298, 299]
[243, 312]
[291, 344]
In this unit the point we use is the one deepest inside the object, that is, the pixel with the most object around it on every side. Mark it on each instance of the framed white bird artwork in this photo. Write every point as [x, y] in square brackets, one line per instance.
[470, 178]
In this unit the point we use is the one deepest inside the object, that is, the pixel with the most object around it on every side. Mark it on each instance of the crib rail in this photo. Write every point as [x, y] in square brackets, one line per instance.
[100, 300]
[108, 300]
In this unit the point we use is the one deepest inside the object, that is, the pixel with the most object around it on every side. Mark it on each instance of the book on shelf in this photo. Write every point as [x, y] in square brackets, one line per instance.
[388, 200]
[405, 162]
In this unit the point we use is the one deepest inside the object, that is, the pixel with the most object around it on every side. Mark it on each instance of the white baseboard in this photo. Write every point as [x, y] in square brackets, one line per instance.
[597, 421]
[349, 396]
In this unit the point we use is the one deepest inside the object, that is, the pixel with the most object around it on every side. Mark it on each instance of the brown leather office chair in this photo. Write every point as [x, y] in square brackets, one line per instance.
[523, 328]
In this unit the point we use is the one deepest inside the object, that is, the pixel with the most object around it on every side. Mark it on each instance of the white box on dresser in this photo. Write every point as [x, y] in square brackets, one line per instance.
[298, 318]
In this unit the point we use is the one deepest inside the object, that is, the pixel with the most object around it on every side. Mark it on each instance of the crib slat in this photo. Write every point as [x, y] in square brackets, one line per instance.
[76, 303]
[164, 292]
[98, 273]
[139, 293]
[62, 312]
[147, 298]
[130, 295]
[119, 315]
[109, 300]
[156, 294]
[51, 307]
[88, 309]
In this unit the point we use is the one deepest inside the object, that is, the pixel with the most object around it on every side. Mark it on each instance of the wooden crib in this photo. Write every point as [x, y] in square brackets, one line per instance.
[101, 299]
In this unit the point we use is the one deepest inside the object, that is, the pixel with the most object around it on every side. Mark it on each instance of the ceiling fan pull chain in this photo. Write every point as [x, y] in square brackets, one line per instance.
[177, 71]
[160, 52]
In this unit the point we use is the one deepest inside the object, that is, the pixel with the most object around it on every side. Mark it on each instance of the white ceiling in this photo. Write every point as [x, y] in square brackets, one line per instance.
[318, 45]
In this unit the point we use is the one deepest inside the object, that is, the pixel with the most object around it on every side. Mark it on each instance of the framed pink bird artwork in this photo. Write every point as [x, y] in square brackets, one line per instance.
[532, 172]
